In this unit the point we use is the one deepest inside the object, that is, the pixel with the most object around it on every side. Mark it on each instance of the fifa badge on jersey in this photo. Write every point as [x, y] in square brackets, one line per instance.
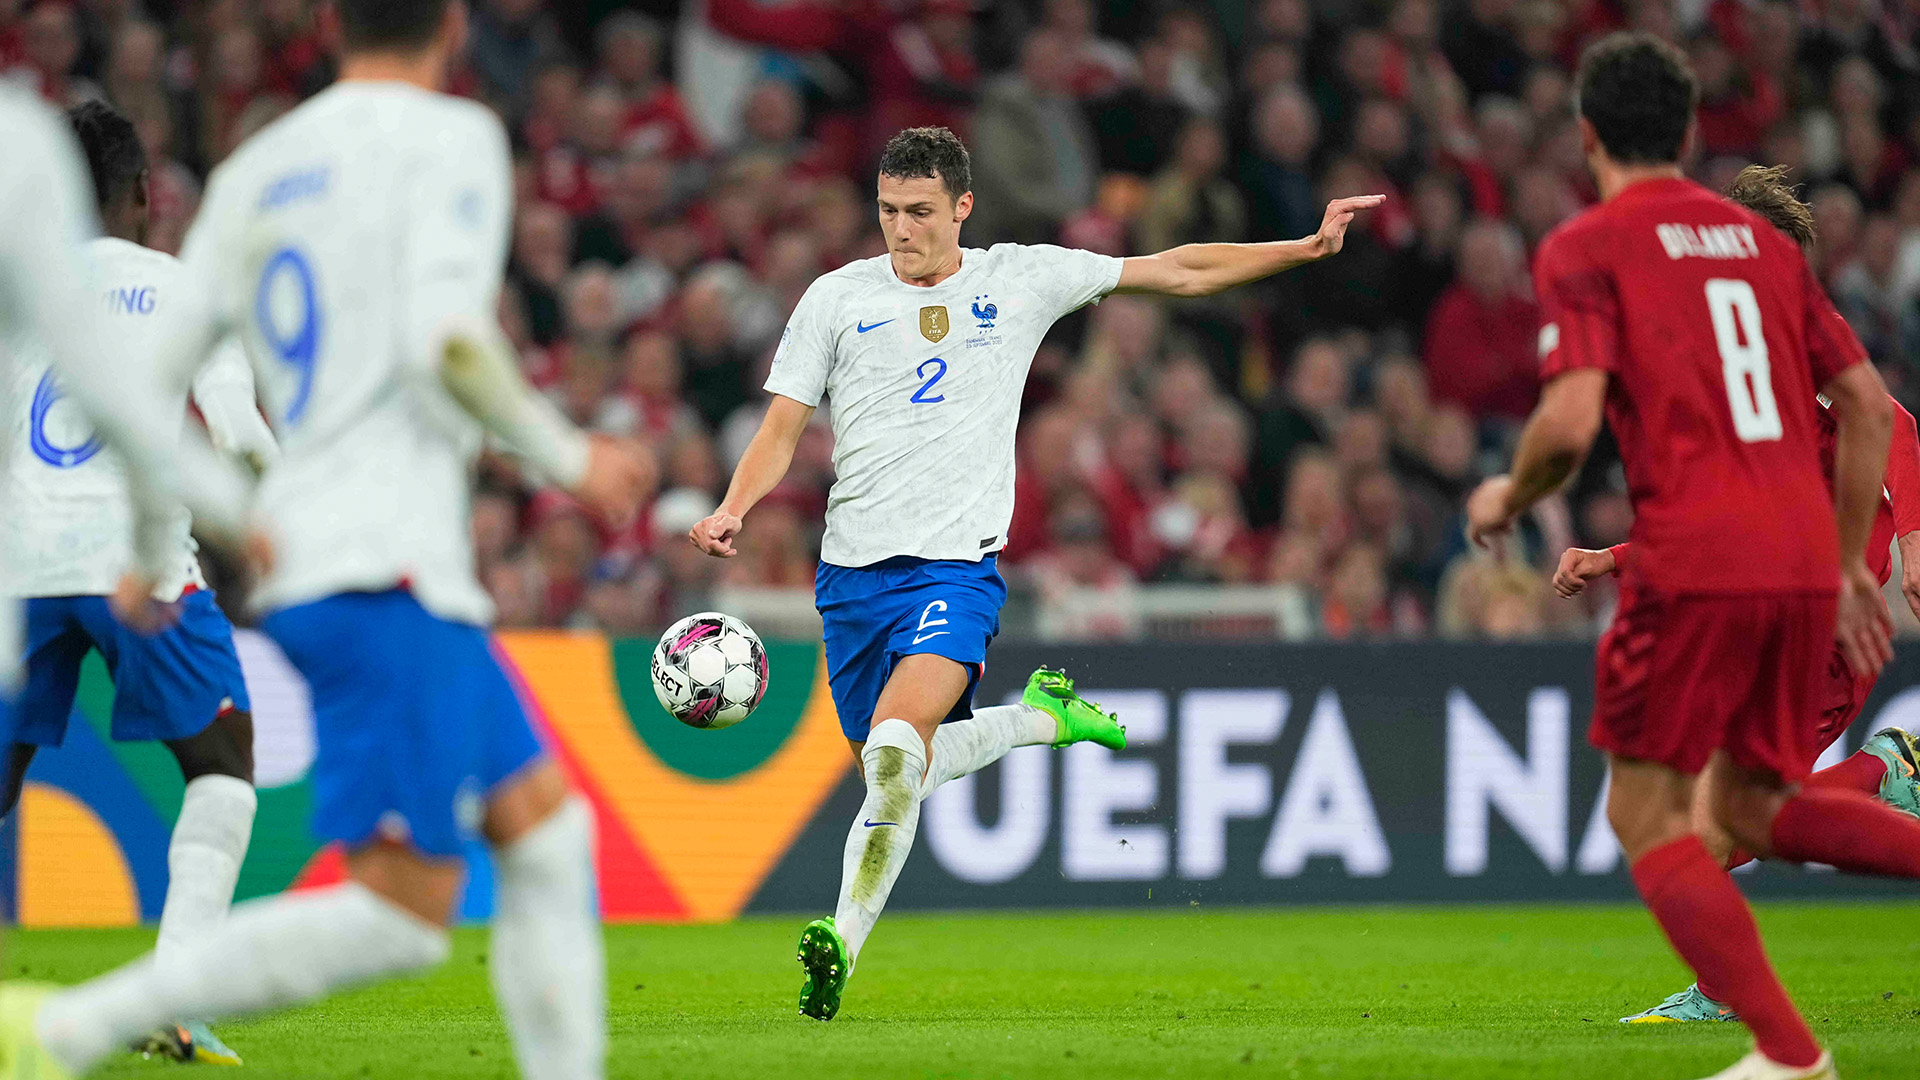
[933, 322]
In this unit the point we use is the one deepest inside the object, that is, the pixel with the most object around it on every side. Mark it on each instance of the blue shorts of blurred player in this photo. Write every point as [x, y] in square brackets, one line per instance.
[416, 725]
[873, 615]
[167, 686]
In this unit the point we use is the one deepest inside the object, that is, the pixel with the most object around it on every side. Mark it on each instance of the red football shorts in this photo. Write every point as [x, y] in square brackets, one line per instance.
[1679, 677]
[1842, 696]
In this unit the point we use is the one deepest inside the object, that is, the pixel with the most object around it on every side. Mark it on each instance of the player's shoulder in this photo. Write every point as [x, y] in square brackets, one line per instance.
[113, 253]
[853, 279]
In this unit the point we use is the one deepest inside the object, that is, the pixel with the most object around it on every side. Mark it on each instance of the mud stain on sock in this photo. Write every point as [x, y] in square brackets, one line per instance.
[890, 782]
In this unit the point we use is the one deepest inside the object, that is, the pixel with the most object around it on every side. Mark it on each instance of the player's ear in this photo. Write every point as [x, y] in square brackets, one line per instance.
[963, 206]
[1690, 141]
[1589, 138]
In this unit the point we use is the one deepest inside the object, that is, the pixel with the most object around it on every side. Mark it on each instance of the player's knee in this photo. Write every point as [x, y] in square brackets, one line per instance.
[225, 748]
[1746, 811]
[894, 760]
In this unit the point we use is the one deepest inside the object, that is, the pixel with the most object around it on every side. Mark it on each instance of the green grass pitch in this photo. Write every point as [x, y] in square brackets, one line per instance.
[1528, 992]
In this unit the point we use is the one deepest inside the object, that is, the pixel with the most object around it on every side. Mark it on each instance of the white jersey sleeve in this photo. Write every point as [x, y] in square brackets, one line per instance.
[804, 358]
[454, 253]
[224, 394]
[1066, 278]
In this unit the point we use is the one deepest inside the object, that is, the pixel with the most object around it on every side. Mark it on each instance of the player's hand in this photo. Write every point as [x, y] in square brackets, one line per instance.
[1910, 571]
[133, 604]
[1333, 227]
[260, 553]
[617, 476]
[1863, 626]
[1579, 566]
[1488, 518]
[715, 534]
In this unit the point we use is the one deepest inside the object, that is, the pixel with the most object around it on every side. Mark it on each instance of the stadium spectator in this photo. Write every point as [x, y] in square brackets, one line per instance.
[1481, 335]
[680, 184]
[1034, 160]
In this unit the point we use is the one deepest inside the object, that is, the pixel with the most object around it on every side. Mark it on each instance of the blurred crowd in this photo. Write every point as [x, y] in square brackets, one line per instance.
[684, 171]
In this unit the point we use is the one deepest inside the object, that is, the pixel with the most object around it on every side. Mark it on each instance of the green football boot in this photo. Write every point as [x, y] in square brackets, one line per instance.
[1079, 720]
[1686, 1006]
[823, 953]
[1900, 788]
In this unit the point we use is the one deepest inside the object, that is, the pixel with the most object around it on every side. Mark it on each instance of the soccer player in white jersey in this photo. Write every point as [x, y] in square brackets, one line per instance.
[46, 215]
[357, 245]
[65, 541]
[924, 353]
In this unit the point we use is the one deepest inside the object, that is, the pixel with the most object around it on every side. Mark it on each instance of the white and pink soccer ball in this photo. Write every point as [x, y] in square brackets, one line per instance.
[710, 670]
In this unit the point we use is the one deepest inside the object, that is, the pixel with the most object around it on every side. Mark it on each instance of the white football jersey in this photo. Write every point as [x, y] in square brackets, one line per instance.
[339, 241]
[924, 388]
[46, 215]
[69, 525]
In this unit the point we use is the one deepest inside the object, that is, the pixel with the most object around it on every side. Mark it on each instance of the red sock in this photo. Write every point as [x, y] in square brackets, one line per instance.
[1862, 773]
[1849, 830]
[1712, 929]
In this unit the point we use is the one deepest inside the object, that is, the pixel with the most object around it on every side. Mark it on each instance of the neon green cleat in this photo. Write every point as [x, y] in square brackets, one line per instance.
[21, 1053]
[823, 953]
[1686, 1006]
[1079, 720]
[191, 1044]
[1900, 788]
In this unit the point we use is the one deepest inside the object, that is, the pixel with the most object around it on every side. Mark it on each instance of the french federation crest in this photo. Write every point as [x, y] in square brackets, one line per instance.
[933, 322]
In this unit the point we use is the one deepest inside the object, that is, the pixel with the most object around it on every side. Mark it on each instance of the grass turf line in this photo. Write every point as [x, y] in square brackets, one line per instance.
[1409, 992]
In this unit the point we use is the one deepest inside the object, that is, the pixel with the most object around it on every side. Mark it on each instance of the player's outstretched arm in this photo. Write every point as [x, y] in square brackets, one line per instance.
[761, 468]
[1205, 269]
[1864, 414]
[477, 368]
[1552, 446]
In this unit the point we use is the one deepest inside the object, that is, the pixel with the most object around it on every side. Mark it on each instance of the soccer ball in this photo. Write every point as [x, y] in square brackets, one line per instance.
[709, 670]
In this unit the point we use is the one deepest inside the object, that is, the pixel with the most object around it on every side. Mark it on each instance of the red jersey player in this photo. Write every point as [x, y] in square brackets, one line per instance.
[1885, 766]
[1699, 332]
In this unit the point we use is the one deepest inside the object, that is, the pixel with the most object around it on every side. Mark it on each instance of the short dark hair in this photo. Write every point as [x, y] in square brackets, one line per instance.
[1638, 92]
[115, 155]
[389, 24]
[1764, 190]
[929, 151]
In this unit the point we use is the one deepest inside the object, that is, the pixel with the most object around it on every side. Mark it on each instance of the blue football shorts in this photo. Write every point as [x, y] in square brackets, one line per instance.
[166, 686]
[415, 723]
[873, 615]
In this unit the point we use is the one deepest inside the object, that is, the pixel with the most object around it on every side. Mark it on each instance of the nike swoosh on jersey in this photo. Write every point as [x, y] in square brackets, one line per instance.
[871, 824]
[935, 634]
[861, 328]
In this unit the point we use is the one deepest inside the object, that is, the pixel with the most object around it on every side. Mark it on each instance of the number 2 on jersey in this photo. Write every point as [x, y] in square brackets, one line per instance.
[296, 343]
[1743, 359]
[920, 396]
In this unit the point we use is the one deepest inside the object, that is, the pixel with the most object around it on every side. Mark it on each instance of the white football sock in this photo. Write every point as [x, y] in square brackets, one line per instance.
[203, 861]
[967, 746]
[894, 764]
[268, 953]
[549, 961]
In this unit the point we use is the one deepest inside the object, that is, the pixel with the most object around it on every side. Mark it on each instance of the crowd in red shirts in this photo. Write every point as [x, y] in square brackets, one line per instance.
[685, 171]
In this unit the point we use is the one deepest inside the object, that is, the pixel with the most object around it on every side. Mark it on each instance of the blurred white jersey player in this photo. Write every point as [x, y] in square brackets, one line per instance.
[46, 215]
[357, 247]
[66, 539]
[923, 353]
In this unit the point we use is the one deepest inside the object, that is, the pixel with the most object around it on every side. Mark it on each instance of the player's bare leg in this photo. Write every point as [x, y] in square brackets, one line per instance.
[1703, 914]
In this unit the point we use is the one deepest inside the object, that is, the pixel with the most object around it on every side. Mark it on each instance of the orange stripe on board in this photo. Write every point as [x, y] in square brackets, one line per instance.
[72, 871]
[714, 842]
